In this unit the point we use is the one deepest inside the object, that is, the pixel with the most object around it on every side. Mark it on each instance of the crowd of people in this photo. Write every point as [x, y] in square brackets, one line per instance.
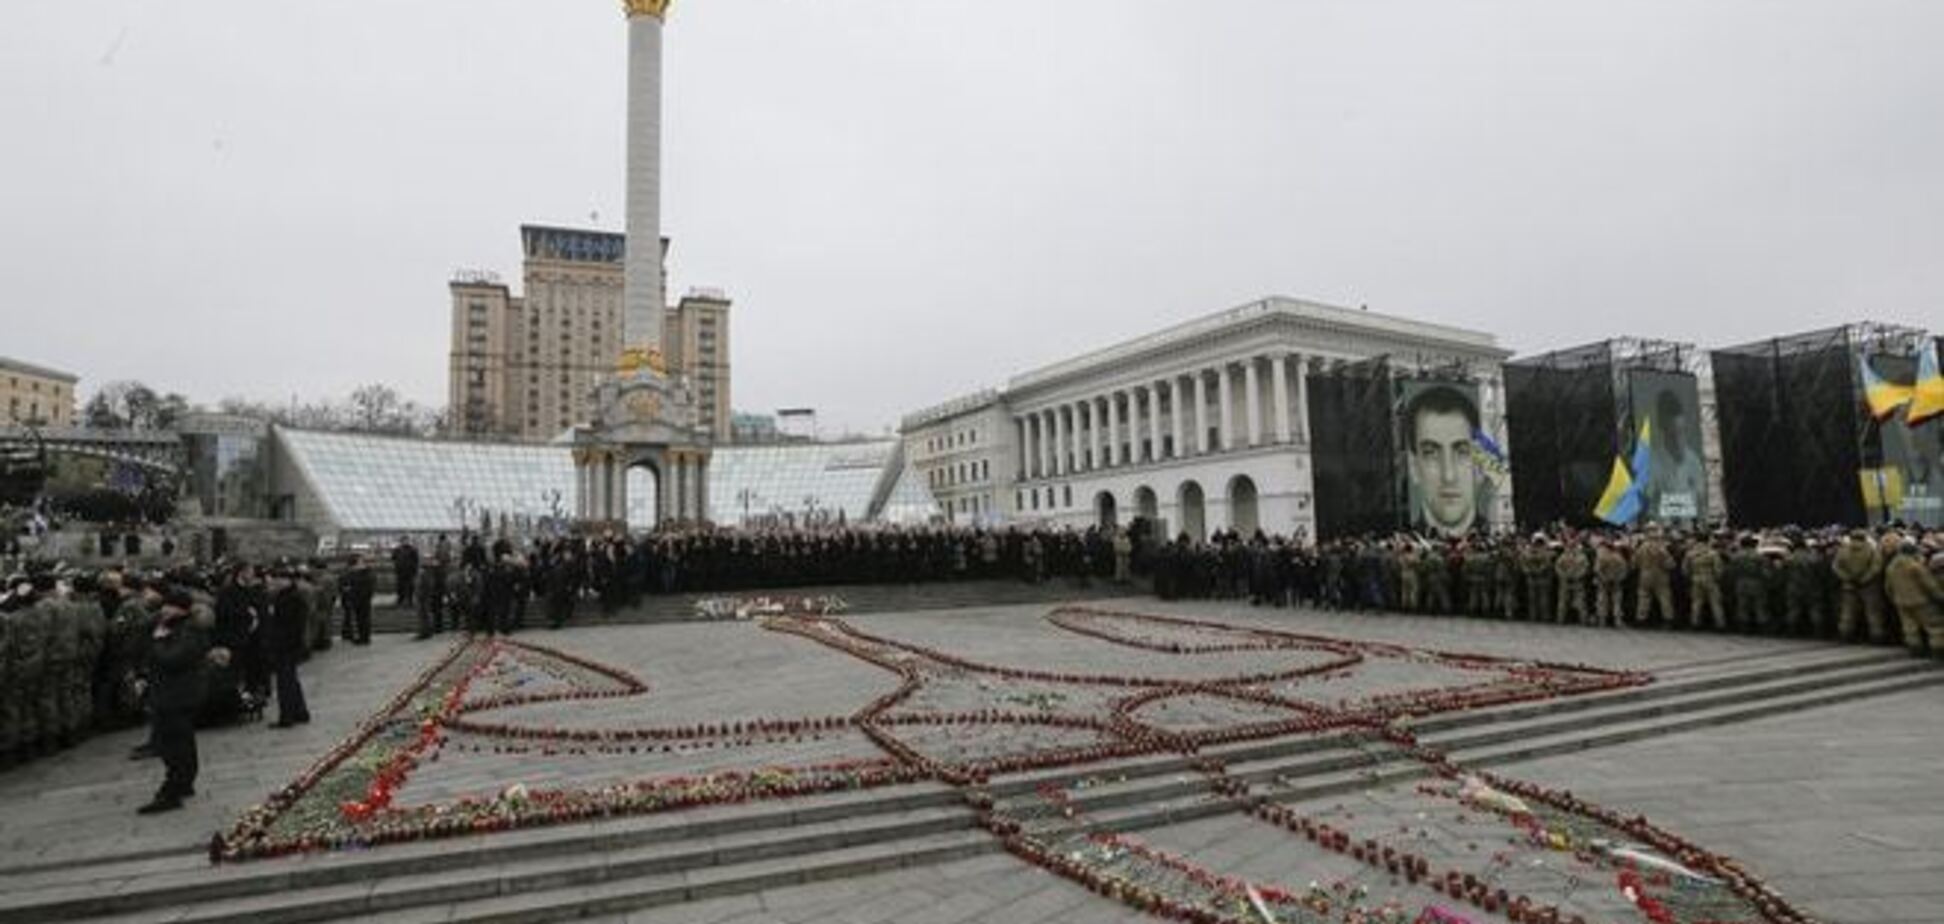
[198, 646]
[1880, 586]
[83, 652]
[491, 586]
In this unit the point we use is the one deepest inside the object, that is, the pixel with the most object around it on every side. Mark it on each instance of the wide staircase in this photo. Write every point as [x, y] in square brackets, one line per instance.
[653, 861]
[858, 598]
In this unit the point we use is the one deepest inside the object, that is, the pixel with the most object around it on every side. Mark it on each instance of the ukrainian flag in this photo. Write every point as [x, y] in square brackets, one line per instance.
[1492, 459]
[1621, 503]
[1927, 396]
[1884, 397]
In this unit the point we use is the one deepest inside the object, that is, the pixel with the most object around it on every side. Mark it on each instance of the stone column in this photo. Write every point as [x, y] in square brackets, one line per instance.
[1302, 399]
[1180, 410]
[1064, 417]
[1252, 382]
[1093, 434]
[1154, 421]
[1113, 432]
[620, 500]
[1023, 452]
[641, 291]
[701, 487]
[1039, 445]
[1279, 380]
[1226, 390]
[1201, 413]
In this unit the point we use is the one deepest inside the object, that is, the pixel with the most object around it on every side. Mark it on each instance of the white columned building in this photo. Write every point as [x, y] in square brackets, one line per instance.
[1205, 425]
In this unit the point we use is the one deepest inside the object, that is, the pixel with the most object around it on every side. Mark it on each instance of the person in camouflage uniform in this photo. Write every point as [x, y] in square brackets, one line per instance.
[10, 689]
[1750, 569]
[1654, 591]
[1505, 573]
[63, 665]
[1477, 570]
[30, 639]
[1610, 580]
[1919, 598]
[1859, 568]
[1572, 568]
[1808, 609]
[1435, 576]
[1537, 566]
[1404, 558]
[1704, 567]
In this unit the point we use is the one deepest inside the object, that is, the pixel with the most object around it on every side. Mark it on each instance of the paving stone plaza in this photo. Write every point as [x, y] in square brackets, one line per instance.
[1113, 760]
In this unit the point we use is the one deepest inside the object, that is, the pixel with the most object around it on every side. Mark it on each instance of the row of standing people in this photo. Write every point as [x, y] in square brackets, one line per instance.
[1879, 586]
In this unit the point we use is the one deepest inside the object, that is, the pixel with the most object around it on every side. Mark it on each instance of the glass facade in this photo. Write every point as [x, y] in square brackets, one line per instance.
[354, 483]
[797, 481]
[377, 484]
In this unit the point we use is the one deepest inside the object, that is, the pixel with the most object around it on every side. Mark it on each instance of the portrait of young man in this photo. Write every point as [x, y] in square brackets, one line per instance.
[1438, 422]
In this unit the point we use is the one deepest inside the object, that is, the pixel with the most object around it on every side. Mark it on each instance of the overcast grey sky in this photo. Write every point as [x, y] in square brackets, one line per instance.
[912, 198]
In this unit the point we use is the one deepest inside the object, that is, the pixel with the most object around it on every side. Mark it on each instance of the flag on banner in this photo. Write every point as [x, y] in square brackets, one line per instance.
[1927, 396]
[1622, 501]
[1883, 397]
[1493, 455]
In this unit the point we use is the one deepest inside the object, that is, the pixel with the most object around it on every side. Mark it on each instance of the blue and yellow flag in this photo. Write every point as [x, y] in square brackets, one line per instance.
[1927, 396]
[1492, 455]
[1883, 397]
[1622, 501]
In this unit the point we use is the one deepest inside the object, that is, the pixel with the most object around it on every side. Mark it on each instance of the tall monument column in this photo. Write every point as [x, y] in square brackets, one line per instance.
[641, 294]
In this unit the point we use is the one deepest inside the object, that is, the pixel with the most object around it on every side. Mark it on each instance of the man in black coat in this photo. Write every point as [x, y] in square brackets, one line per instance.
[284, 645]
[357, 588]
[405, 568]
[177, 653]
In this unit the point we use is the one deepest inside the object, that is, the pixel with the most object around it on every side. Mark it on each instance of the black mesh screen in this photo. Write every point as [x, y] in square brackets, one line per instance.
[1790, 416]
[1563, 421]
[1352, 449]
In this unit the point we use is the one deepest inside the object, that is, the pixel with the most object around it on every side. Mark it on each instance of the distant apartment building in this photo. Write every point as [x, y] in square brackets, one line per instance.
[36, 394]
[524, 367]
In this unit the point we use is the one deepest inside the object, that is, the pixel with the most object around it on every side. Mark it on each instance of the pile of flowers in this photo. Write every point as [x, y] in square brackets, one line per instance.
[748, 608]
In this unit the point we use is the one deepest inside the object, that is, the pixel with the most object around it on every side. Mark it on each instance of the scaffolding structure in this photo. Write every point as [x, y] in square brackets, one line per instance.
[1569, 414]
[1795, 437]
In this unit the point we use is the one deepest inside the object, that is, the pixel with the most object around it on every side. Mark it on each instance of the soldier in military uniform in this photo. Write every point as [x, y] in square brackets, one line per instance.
[1919, 598]
[13, 598]
[1435, 580]
[1610, 579]
[1505, 574]
[1477, 571]
[91, 635]
[1704, 567]
[1750, 569]
[1537, 565]
[29, 687]
[1409, 578]
[1654, 591]
[1807, 608]
[1572, 568]
[57, 725]
[1859, 568]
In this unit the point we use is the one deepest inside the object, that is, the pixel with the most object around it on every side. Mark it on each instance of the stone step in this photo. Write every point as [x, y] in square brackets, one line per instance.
[1326, 754]
[1700, 698]
[401, 885]
[1328, 781]
[1802, 663]
[1571, 741]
